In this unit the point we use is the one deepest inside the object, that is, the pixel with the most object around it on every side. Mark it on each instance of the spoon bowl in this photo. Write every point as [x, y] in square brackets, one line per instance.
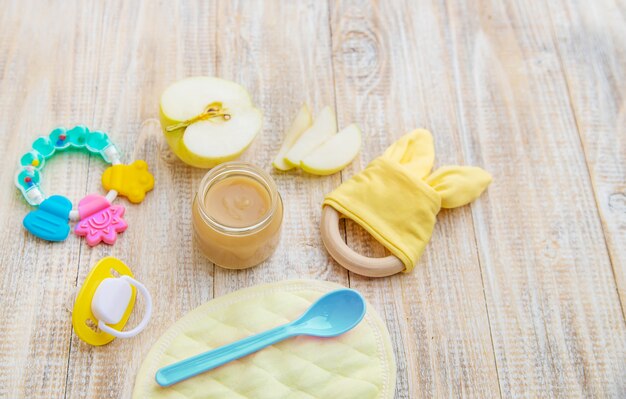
[331, 315]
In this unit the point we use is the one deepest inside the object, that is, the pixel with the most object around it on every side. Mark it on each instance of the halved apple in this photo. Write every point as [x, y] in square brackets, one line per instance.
[300, 124]
[323, 128]
[207, 120]
[335, 154]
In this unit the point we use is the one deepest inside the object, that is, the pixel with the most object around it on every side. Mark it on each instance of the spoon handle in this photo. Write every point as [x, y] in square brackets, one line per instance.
[209, 360]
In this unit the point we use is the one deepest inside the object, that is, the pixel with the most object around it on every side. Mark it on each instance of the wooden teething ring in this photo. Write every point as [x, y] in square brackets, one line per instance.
[347, 257]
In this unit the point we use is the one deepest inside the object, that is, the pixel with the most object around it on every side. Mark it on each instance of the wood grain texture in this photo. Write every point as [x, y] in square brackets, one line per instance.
[591, 41]
[38, 279]
[146, 47]
[392, 72]
[555, 316]
[281, 52]
[517, 295]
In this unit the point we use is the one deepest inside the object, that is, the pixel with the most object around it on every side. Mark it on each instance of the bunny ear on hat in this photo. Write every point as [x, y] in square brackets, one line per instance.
[415, 151]
[458, 185]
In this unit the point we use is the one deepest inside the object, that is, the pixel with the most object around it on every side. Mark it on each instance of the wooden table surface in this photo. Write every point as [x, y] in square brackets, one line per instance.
[521, 294]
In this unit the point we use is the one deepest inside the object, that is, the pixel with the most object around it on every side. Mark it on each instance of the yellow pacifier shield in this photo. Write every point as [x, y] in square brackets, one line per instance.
[358, 364]
[81, 314]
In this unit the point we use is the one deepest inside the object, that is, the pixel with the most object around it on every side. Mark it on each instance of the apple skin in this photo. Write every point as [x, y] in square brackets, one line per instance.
[175, 141]
[332, 142]
[301, 123]
[325, 172]
[323, 128]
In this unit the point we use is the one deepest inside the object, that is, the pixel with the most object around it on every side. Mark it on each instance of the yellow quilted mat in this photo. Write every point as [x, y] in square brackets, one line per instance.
[358, 364]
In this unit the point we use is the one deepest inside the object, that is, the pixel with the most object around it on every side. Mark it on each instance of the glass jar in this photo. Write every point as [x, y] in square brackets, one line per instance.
[236, 245]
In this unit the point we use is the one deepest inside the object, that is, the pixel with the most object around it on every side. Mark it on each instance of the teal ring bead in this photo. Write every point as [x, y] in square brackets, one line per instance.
[80, 137]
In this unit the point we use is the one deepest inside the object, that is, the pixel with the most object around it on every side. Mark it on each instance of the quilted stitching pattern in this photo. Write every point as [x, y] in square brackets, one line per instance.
[358, 364]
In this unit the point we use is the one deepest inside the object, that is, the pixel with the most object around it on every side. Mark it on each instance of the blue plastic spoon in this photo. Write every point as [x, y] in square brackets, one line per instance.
[331, 315]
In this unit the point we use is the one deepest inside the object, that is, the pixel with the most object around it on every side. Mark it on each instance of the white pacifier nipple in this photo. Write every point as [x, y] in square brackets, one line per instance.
[111, 300]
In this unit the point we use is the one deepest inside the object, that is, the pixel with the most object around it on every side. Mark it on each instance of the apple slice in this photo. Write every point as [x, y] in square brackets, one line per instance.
[323, 128]
[300, 124]
[208, 120]
[335, 154]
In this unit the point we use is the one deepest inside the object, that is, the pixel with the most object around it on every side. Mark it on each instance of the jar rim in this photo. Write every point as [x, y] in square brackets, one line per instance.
[237, 168]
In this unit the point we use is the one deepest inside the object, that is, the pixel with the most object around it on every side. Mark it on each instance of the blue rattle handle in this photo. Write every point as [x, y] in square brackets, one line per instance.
[206, 361]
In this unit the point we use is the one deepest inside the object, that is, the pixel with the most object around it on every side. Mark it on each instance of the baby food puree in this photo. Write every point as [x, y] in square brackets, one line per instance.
[237, 201]
[237, 215]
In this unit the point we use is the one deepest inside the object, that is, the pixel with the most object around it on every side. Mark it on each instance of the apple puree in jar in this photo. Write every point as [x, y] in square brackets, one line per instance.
[237, 215]
[237, 201]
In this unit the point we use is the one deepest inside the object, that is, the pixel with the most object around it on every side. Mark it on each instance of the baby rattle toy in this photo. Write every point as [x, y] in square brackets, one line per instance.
[96, 216]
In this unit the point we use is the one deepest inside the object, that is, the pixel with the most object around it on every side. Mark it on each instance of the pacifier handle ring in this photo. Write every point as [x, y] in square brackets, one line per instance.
[146, 317]
[347, 257]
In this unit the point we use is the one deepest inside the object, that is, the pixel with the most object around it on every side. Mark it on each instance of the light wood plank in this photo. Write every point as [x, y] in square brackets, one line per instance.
[591, 42]
[556, 321]
[392, 73]
[281, 53]
[143, 47]
[43, 84]
[528, 89]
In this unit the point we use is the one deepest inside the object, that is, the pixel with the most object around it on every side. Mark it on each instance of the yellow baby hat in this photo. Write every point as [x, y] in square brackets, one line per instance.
[396, 198]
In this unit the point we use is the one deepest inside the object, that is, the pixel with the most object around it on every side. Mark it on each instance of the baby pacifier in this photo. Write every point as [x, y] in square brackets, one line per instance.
[105, 302]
